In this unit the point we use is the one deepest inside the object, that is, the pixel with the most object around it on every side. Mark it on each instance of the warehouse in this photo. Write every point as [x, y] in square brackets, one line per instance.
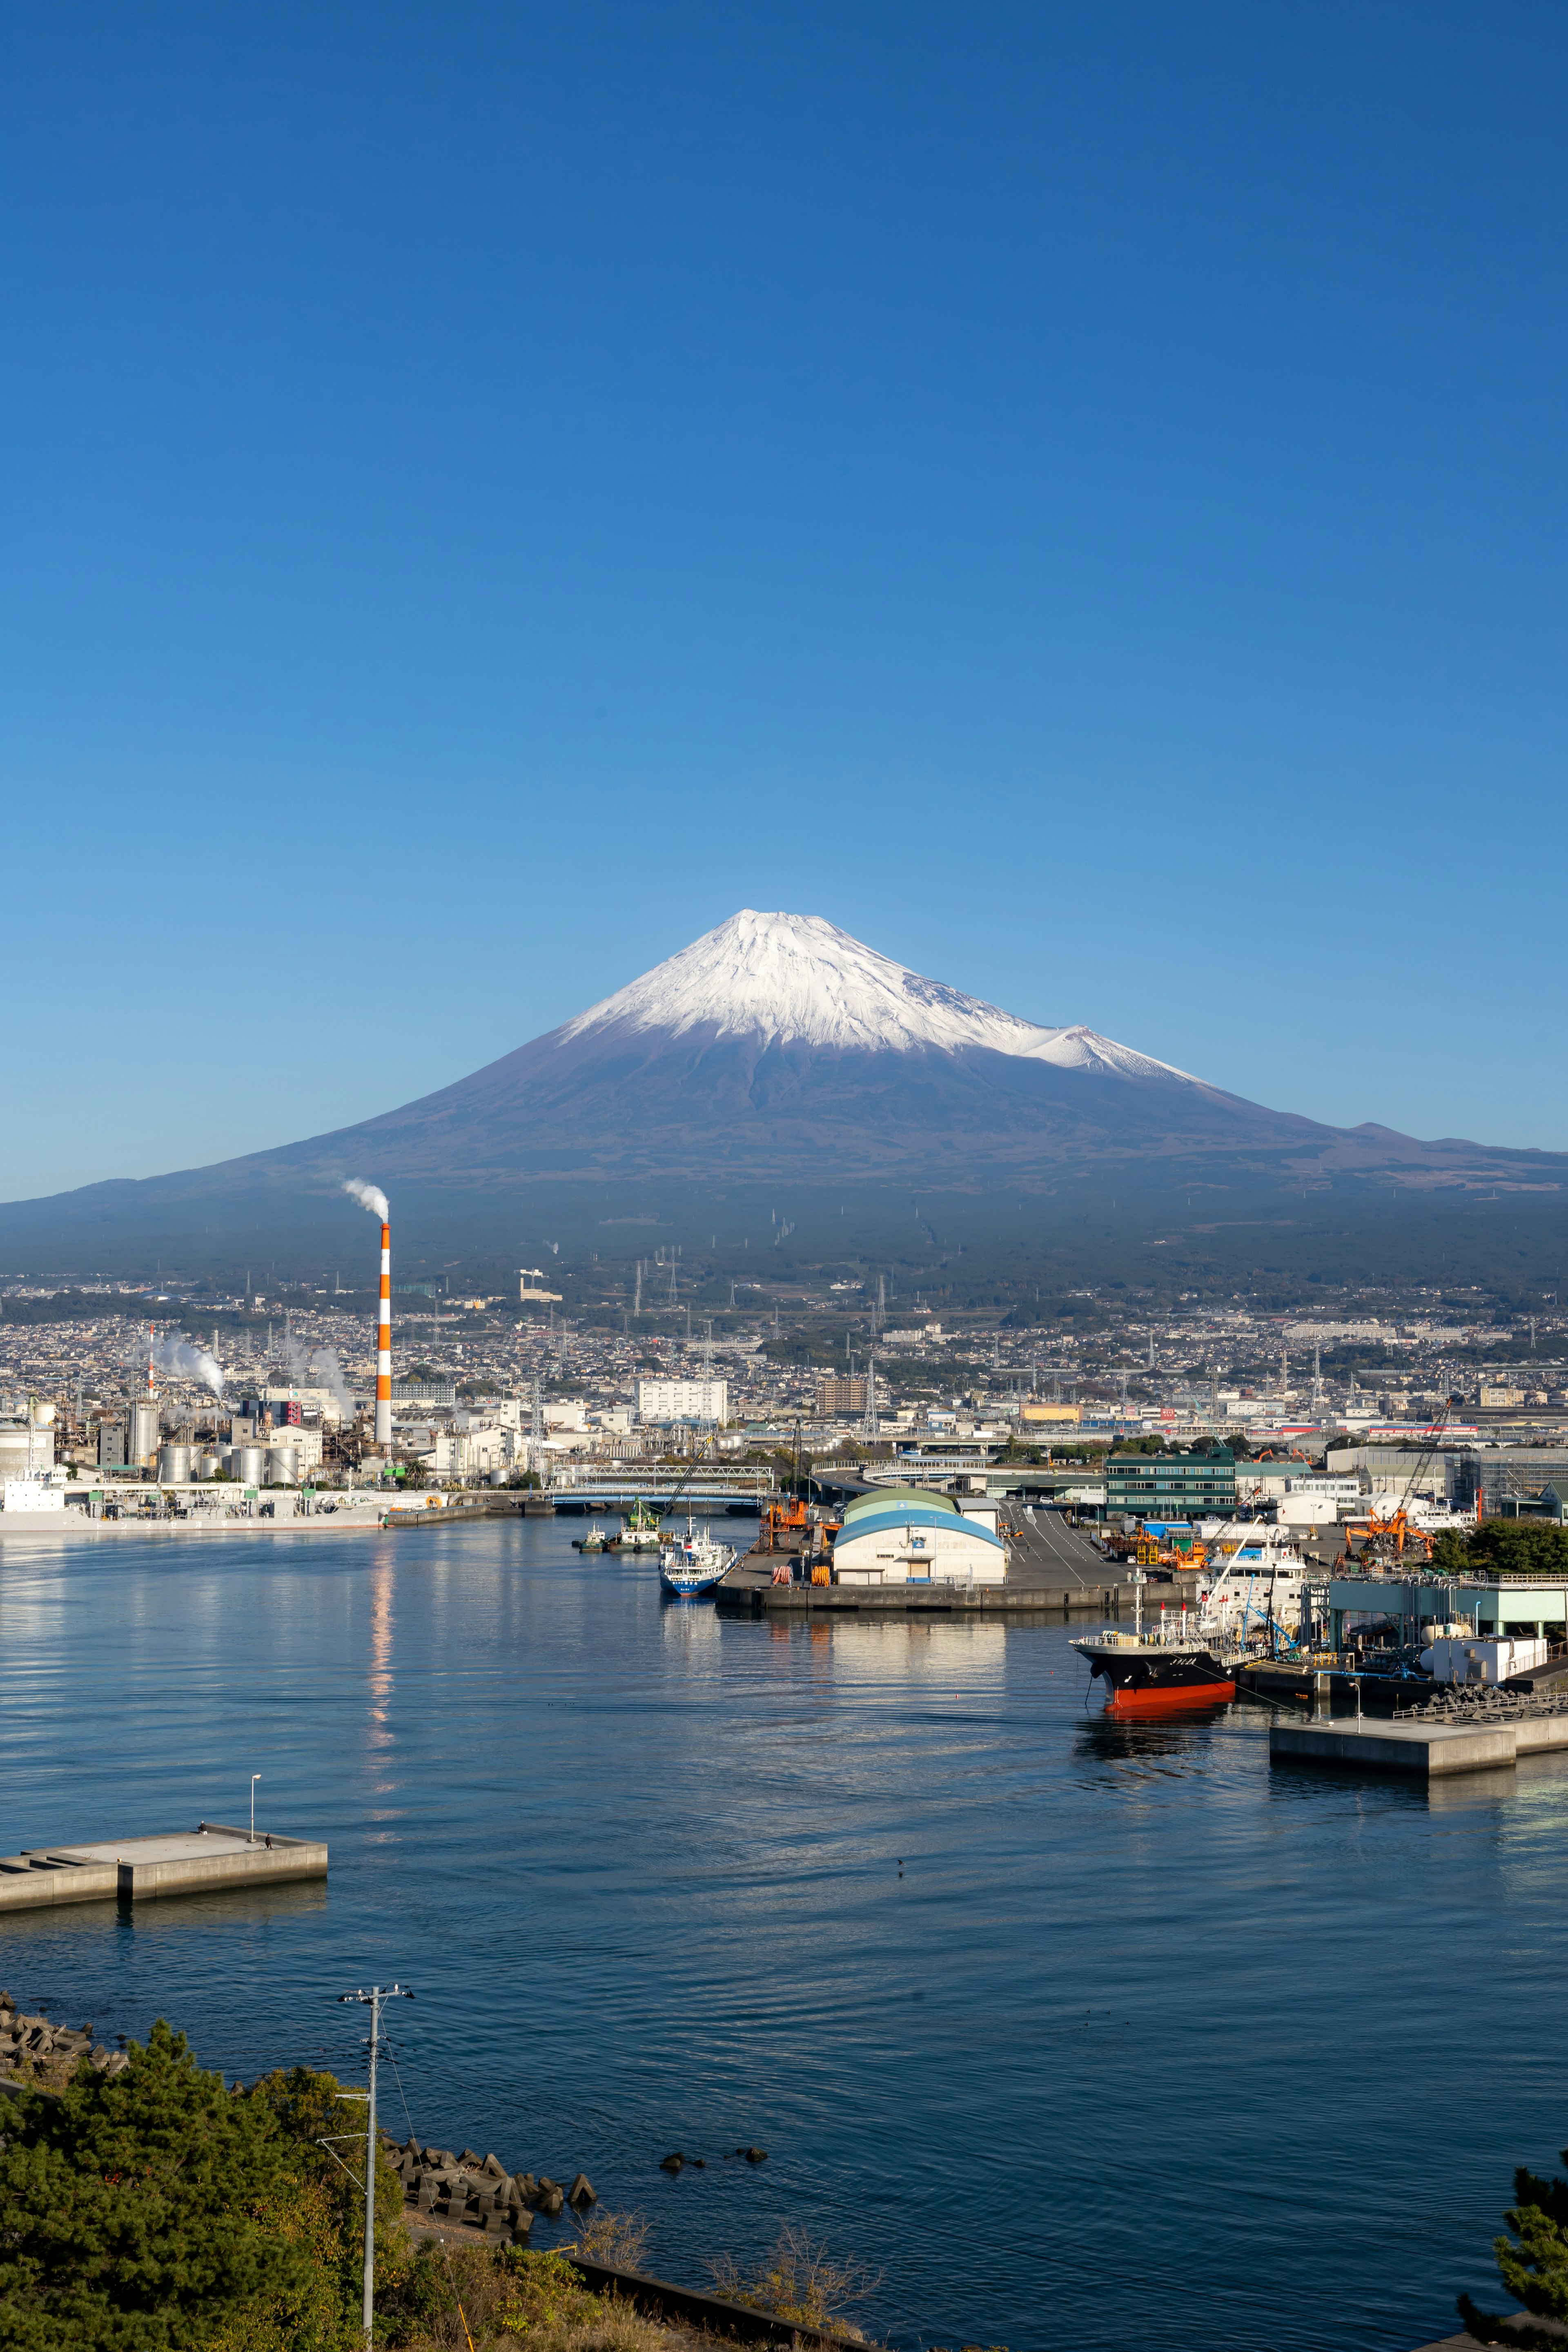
[901, 1535]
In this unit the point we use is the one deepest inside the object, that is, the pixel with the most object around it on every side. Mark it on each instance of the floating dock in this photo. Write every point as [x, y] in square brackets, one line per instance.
[139, 1869]
[1428, 1751]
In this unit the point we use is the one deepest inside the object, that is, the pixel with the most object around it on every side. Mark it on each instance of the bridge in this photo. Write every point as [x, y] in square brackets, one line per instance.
[614, 1485]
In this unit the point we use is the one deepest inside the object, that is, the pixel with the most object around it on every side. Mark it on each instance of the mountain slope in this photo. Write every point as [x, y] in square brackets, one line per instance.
[778, 1046]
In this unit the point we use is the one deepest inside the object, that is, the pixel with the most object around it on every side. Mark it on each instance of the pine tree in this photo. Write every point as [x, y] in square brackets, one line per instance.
[139, 2212]
[1535, 2271]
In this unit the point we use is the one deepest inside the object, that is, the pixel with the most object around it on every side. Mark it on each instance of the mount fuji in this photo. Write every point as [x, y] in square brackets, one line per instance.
[777, 1047]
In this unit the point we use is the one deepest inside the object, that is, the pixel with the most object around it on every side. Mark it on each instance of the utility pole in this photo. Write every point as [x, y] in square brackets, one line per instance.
[374, 1996]
[873, 1425]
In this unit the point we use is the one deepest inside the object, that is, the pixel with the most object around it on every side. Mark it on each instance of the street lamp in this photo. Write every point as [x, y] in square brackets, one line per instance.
[254, 1778]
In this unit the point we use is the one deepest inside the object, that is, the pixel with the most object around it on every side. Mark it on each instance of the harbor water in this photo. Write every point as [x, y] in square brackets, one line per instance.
[1071, 2032]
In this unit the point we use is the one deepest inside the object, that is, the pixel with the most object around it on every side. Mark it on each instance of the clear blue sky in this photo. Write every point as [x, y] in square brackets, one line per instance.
[1074, 494]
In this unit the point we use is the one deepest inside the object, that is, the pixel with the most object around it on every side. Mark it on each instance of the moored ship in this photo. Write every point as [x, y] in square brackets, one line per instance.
[1163, 1669]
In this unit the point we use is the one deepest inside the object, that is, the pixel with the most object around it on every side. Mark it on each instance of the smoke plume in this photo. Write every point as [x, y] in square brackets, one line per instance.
[369, 1196]
[183, 1361]
[329, 1374]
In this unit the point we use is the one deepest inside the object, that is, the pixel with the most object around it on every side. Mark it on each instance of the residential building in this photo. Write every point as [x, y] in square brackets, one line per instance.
[659, 1401]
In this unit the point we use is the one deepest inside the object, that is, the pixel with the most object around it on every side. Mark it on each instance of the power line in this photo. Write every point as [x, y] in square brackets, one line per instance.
[376, 1995]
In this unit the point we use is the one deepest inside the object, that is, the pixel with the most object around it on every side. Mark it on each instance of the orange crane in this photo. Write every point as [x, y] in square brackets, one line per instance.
[787, 1518]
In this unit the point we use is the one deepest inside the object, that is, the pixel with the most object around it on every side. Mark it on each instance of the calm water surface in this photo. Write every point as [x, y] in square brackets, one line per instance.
[1146, 2044]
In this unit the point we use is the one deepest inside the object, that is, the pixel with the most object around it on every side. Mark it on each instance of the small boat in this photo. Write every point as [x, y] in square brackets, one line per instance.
[639, 1528]
[595, 1541]
[693, 1565]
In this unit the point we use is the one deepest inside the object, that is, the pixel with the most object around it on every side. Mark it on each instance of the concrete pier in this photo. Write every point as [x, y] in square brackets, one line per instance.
[1053, 1570]
[1429, 1750]
[139, 1869]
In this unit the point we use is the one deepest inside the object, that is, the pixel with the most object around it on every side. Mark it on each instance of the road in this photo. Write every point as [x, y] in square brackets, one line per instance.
[1045, 1550]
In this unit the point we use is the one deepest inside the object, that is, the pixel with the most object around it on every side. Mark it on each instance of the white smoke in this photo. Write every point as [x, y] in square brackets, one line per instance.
[317, 1368]
[329, 1374]
[369, 1196]
[183, 1361]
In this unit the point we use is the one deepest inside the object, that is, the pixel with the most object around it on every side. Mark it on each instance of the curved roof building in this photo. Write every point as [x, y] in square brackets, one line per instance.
[901, 1535]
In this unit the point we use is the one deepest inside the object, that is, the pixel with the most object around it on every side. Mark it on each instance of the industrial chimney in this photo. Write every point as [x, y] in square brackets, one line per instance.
[383, 1344]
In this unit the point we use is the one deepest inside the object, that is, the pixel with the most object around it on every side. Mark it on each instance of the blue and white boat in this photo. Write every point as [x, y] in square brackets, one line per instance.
[693, 1565]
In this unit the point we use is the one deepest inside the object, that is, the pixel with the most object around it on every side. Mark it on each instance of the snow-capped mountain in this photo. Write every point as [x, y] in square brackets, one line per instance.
[797, 980]
[775, 1047]
[778, 1041]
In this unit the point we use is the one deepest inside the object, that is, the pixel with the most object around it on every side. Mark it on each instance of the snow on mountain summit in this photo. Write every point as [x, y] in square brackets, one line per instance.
[798, 978]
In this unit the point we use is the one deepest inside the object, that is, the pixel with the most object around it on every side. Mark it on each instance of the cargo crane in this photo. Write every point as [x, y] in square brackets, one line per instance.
[1386, 1537]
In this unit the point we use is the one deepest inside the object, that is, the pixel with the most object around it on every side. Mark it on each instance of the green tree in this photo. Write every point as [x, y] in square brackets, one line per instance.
[1504, 1548]
[1520, 1548]
[311, 2112]
[141, 2208]
[1535, 2270]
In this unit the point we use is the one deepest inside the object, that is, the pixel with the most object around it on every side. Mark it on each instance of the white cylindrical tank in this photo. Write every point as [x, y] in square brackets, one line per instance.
[16, 1441]
[248, 1464]
[141, 1432]
[173, 1465]
[208, 1464]
[283, 1465]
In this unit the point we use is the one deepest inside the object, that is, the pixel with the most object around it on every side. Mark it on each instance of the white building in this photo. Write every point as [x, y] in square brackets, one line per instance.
[907, 1536]
[476, 1451]
[683, 1401]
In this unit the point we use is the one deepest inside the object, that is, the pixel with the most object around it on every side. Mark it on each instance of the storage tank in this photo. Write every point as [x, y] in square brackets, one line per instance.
[209, 1465]
[283, 1465]
[141, 1433]
[173, 1465]
[248, 1464]
[15, 1440]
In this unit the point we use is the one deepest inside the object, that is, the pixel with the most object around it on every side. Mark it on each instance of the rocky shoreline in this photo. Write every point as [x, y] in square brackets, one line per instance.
[33, 2049]
[443, 2185]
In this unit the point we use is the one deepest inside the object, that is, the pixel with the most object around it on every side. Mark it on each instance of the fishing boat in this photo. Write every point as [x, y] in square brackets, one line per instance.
[1165, 1665]
[693, 1565]
[1249, 1598]
[639, 1528]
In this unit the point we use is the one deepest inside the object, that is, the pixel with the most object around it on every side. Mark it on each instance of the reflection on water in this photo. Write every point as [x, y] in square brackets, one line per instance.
[881, 1895]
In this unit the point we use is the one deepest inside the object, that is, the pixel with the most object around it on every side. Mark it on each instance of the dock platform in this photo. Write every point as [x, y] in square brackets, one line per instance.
[1053, 1570]
[1429, 1750]
[139, 1869]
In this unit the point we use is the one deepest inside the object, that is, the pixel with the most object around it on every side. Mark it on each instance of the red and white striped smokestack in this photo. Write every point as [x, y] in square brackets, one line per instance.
[383, 1344]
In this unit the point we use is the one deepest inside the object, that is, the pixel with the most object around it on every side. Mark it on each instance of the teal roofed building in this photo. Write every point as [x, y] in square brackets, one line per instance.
[901, 1536]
